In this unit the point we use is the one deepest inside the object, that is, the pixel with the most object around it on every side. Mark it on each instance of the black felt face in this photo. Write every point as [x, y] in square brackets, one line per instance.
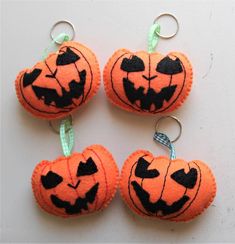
[188, 180]
[50, 96]
[148, 96]
[52, 180]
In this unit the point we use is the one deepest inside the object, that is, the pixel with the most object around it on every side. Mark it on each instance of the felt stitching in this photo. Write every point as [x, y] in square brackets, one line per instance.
[53, 209]
[179, 92]
[70, 175]
[129, 189]
[112, 190]
[199, 185]
[90, 71]
[40, 196]
[142, 182]
[172, 106]
[93, 176]
[54, 190]
[106, 183]
[171, 218]
[109, 155]
[58, 114]
[111, 79]
[82, 100]
[108, 77]
[212, 195]
[123, 171]
[65, 110]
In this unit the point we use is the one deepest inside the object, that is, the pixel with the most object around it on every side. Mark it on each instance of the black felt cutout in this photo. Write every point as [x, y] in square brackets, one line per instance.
[29, 78]
[67, 57]
[51, 180]
[150, 97]
[159, 205]
[80, 203]
[149, 78]
[142, 171]
[74, 186]
[53, 75]
[87, 168]
[134, 64]
[169, 66]
[49, 95]
[187, 180]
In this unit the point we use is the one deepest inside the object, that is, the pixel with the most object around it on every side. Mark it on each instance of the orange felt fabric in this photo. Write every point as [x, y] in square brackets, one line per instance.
[113, 76]
[106, 175]
[57, 86]
[164, 187]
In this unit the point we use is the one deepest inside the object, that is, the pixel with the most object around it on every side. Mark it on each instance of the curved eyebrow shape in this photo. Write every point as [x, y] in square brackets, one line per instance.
[68, 57]
[29, 78]
[87, 168]
[134, 64]
[169, 66]
[51, 180]
[142, 171]
[187, 180]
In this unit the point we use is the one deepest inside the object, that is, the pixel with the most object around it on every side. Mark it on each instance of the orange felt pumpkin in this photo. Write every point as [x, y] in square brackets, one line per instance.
[61, 83]
[173, 190]
[147, 83]
[78, 184]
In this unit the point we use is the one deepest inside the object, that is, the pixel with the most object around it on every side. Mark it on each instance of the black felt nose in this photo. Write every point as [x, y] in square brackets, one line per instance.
[149, 78]
[74, 186]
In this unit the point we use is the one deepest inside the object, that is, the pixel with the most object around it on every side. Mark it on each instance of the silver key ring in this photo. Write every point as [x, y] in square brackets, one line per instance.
[62, 22]
[173, 118]
[176, 21]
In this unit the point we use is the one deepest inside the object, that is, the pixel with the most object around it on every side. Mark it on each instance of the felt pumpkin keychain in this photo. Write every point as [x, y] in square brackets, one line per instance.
[148, 82]
[62, 82]
[76, 183]
[163, 187]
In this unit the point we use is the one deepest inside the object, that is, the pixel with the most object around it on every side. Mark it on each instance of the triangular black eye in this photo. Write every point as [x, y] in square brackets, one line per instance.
[142, 171]
[169, 66]
[87, 168]
[29, 78]
[188, 180]
[67, 57]
[51, 180]
[134, 64]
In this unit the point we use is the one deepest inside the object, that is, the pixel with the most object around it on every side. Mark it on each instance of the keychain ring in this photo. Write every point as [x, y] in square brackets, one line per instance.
[62, 22]
[176, 21]
[173, 118]
[56, 130]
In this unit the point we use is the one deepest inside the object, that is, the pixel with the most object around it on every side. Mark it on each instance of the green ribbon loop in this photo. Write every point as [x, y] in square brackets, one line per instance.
[62, 37]
[165, 141]
[67, 136]
[153, 37]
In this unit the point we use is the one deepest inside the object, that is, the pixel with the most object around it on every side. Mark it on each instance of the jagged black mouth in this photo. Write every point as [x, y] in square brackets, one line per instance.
[149, 98]
[80, 203]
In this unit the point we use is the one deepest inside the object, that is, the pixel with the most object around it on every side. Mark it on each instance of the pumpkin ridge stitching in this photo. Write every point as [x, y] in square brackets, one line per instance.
[106, 183]
[45, 164]
[112, 83]
[60, 113]
[169, 109]
[53, 209]
[109, 155]
[129, 188]
[92, 75]
[199, 185]
[70, 175]
[93, 176]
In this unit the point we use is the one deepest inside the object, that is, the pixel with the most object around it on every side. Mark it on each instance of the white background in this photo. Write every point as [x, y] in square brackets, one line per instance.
[207, 37]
